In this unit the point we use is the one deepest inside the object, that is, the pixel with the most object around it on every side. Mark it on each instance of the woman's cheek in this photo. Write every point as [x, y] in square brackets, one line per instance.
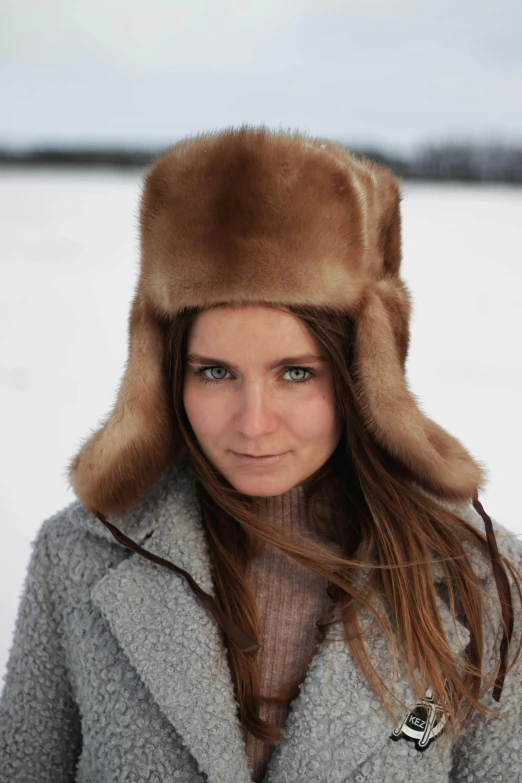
[210, 410]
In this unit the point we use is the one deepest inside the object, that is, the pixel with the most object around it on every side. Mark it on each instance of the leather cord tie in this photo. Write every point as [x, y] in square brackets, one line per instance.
[228, 626]
[504, 593]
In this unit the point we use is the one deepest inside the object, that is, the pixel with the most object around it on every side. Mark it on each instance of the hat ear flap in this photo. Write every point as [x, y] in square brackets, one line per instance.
[390, 233]
[117, 463]
[436, 459]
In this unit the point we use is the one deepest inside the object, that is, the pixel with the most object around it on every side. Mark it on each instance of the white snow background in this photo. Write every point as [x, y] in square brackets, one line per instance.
[68, 265]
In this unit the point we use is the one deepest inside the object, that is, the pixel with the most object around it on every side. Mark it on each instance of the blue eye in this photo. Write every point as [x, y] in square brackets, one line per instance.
[301, 369]
[199, 373]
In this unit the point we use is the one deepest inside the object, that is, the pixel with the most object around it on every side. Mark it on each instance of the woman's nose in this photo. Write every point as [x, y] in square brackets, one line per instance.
[255, 415]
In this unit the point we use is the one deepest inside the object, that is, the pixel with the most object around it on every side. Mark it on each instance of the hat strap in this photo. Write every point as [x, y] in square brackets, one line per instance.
[504, 594]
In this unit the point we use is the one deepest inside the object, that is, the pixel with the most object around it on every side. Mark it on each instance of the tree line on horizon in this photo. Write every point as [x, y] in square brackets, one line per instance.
[461, 161]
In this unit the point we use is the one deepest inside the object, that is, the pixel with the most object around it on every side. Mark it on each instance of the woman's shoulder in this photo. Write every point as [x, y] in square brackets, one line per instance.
[73, 534]
[65, 552]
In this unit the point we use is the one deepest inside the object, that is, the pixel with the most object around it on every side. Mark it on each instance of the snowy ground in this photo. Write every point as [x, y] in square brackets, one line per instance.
[68, 261]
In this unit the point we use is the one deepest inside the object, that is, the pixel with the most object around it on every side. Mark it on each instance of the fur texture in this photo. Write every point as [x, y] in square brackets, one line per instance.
[253, 215]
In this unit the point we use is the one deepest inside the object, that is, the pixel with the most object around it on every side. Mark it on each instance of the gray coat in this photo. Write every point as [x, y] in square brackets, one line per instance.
[115, 673]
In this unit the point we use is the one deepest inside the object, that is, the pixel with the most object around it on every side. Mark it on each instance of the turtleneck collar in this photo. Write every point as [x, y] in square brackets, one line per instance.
[279, 506]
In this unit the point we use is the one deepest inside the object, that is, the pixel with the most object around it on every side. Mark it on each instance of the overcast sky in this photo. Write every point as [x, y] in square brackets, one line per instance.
[396, 73]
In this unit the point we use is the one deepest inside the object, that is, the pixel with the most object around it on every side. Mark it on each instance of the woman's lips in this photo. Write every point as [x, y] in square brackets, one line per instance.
[267, 460]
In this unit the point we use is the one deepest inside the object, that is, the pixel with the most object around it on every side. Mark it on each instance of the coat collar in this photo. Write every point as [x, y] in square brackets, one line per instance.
[175, 646]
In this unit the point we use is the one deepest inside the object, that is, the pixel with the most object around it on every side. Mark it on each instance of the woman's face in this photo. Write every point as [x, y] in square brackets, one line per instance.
[257, 383]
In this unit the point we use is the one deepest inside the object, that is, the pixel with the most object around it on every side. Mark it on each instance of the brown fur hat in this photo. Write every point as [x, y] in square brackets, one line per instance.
[257, 215]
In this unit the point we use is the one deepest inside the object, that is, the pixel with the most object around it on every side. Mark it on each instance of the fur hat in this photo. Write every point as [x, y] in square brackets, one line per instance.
[253, 215]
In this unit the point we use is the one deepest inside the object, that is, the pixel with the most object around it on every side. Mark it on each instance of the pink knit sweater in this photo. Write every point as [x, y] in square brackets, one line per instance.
[291, 599]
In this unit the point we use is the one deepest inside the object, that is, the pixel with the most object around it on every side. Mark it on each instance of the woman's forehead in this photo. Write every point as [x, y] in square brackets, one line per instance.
[262, 333]
[246, 315]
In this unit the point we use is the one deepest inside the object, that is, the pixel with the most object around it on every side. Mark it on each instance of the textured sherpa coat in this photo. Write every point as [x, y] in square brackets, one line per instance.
[116, 675]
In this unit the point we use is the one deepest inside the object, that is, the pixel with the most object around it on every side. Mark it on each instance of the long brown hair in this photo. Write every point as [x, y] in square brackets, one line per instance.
[384, 526]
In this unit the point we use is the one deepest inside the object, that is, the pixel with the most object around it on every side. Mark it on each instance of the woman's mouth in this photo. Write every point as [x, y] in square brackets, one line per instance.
[267, 459]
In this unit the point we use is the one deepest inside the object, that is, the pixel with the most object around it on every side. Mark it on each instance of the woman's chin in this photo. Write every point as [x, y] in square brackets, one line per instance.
[259, 485]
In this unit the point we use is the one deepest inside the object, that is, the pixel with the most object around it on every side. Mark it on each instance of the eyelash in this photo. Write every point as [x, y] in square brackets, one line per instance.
[199, 372]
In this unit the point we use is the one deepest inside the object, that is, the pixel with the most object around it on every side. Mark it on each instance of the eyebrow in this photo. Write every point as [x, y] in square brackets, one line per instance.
[195, 358]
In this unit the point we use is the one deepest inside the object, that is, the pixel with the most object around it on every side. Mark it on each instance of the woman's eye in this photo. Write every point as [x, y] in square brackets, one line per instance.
[220, 372]
[298, 371]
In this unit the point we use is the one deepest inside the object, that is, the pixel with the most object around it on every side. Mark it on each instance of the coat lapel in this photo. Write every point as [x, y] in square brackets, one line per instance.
[170, 638]
[337, 721]
[334, 723]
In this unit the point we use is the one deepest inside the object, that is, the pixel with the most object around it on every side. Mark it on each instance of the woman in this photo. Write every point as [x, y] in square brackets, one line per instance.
[276, 569]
